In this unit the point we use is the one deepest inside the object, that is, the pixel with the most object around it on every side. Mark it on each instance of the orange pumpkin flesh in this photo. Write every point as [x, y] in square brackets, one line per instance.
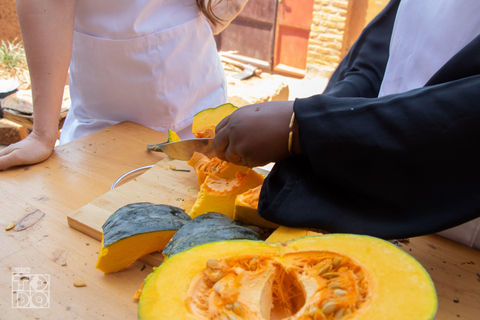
[204, 166]
[246, 207]
[218, 194]
[205, 121]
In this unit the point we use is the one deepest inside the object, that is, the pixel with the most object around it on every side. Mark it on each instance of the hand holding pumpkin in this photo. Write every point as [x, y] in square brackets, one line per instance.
[255, 135]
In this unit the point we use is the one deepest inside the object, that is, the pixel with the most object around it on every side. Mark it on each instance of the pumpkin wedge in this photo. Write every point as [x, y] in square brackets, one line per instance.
[335, 276]
[173, 136]
[208, 227]
[284, 234]
[245, 209]
[218, 194]
[205, 121]
[136, 230]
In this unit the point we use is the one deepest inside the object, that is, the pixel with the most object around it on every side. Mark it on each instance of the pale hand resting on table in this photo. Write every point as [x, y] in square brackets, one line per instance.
[30, 150]
[256, 135]
[47, 31]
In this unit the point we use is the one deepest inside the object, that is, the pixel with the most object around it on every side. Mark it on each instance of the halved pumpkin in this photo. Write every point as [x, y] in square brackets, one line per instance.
[205, 121]
[335, 276]
[245, 209]
[204, 166]
[218, 194]
[136, 230]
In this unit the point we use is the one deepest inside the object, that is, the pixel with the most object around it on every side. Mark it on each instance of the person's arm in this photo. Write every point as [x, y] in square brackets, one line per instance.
[259, 134]
[47, 31]
[220, 13]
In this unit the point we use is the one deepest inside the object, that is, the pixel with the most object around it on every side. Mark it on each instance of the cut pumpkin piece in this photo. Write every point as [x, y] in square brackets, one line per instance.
[218, 194]
[208, 227]
[205, 121]
[204, 166]
[284, 234]
[335, 276]
[173, 136]
[245, 209]
[136, 230]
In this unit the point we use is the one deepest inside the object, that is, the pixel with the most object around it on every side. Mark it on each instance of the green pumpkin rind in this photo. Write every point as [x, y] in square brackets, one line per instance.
[208, 227]
[142, 217]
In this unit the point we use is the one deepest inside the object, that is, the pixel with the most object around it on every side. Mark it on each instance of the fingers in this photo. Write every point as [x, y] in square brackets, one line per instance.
[234, 158]
[25, 152]
[8, 158]
[222, 124]
[222, 146]
[221, 140]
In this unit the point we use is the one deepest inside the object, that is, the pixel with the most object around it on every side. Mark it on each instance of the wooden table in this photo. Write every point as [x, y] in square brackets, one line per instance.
[83, 170]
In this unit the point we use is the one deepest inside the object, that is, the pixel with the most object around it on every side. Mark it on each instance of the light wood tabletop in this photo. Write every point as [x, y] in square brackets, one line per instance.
[53, 256]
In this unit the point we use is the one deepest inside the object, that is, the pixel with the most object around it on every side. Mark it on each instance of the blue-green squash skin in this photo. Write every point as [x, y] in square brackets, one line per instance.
[208, 227]
[142, 217]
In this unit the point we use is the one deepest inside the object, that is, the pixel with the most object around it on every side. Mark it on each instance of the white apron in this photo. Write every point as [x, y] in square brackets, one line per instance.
[416, 54]
[153, 62]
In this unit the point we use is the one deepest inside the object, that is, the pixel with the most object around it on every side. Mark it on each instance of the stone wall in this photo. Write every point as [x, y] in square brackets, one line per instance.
[327, 34]
[9, 27]
[335, 26]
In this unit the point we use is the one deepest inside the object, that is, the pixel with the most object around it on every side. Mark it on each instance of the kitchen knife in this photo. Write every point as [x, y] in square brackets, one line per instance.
[184, 149]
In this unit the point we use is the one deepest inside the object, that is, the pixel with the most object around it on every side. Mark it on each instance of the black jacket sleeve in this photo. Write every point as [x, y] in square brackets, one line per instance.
[397, 166]
[361, 71]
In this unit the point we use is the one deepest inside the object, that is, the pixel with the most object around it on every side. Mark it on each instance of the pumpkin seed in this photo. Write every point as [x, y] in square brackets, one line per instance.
[238, 309]
[324, 266]
[330, 306]
[340, 292]
[335, 285]
[79, 283]
[339, 314]
[336, 262]
[314, 313]
[253, 264]
[214, 275]
[10, 227]
[214, 264]
[324, 269]
[330, 275]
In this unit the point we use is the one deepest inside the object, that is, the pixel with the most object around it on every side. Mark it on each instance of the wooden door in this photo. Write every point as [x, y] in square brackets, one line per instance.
[251, 34]
[293, 23]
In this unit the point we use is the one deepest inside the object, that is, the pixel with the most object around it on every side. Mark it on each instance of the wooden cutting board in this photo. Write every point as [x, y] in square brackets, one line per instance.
[160, 184]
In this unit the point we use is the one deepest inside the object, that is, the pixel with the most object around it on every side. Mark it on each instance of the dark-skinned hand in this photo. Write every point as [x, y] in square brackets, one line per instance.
[255, 135]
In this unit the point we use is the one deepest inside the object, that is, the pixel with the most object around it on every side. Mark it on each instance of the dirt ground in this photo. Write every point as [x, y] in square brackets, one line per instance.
[9, 26]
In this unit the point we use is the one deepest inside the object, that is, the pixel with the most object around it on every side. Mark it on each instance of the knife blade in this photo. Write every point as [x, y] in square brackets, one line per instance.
[184, 149]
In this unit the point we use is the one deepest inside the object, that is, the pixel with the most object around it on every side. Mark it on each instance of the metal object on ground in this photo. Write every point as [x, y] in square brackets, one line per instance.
[248, 70]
